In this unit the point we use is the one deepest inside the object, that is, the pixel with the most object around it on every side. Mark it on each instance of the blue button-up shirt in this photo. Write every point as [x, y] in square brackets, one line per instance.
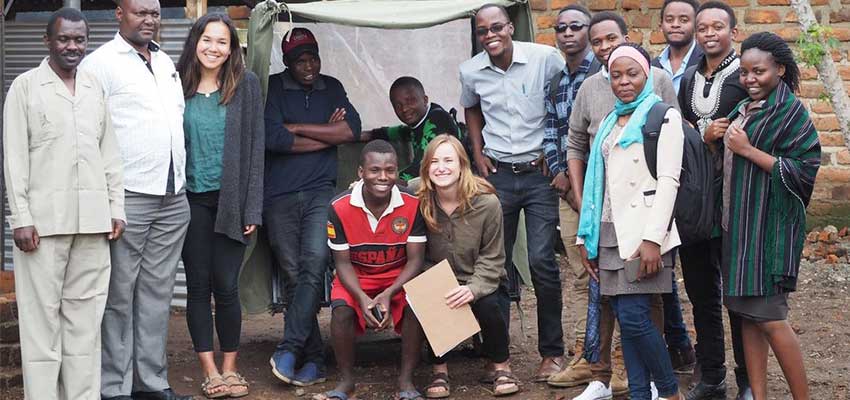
[558, 115]
[676, 76]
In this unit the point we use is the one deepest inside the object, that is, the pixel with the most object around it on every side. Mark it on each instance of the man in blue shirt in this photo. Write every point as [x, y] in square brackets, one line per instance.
[682, 51]
[307, 115]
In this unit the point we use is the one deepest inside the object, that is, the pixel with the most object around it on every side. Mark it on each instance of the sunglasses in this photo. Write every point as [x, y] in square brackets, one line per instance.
[575, 27]
[495, 28]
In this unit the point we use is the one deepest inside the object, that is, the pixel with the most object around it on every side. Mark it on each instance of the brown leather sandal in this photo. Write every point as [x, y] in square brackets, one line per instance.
[439, 380]
[211, 385]
[502, 378]
[237, 383]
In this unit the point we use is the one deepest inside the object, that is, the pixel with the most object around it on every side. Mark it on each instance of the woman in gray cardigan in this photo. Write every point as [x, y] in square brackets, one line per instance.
[223, 126]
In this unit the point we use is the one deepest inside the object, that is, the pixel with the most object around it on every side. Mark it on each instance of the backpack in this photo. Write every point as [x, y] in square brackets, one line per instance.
[694, 207]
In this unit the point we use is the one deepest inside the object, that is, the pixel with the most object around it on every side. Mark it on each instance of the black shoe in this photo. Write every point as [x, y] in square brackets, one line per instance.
[166, 394]
[744, 393]
[704, 391]
[117, 398]
[683, 360]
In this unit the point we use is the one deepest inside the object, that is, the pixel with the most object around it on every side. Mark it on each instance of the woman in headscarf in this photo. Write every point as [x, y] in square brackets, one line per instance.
[625, 227]
[771, 158]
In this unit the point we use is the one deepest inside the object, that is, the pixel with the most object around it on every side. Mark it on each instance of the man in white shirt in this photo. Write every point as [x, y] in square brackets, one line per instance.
[145, 101]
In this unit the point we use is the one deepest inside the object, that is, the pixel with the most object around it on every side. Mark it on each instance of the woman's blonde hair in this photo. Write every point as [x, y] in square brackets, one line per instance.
[469, 185]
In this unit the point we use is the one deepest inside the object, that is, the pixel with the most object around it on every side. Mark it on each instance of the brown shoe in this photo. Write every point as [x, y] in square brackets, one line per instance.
[548, 367]
[578, 373]
[619, 379]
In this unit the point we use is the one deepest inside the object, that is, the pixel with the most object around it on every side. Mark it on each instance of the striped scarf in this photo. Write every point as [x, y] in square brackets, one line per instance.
[767, 211]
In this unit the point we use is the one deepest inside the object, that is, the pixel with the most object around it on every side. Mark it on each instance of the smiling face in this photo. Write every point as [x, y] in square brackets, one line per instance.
[305, 69]
[138, 21]
[714, 32]
[760, 73]
[627, 79]
[570, 41]
[496, 43]
[409, 103]
[213, 48]
[444, 167]
[379, 173]
[604, 37]
[677, 24]
[67, 45]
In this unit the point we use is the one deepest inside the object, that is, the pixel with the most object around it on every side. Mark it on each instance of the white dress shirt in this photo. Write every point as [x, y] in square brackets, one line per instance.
[146, 107]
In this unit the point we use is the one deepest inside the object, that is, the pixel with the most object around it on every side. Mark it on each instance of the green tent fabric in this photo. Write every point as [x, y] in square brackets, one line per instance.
[256, 291]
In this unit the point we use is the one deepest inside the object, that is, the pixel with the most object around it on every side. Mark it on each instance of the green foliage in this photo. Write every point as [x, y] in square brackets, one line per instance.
[815, 43]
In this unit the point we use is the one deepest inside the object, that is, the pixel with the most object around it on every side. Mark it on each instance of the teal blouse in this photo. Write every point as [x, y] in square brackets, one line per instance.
[203, 127]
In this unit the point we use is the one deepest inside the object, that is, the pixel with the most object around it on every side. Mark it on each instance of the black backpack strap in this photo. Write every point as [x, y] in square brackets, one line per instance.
[651, 130]
[553, 86]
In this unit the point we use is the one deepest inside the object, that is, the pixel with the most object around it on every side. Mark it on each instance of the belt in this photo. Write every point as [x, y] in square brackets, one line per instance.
[519, 167]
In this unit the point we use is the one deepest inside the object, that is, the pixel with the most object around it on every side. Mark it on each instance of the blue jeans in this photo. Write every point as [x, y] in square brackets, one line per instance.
[675, 332]
[296, 224]
[643, 348]
[531, 192]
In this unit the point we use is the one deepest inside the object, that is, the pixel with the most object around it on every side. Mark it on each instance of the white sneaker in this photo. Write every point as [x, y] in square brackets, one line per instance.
[595, 391]
[653, 390]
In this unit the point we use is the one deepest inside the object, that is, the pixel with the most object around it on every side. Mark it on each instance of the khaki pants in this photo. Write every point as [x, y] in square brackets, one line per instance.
[61, 290]
[577, 300]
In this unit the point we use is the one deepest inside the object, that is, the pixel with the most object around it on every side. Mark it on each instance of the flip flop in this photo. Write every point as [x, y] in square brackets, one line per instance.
[333, 394]
[409, 395]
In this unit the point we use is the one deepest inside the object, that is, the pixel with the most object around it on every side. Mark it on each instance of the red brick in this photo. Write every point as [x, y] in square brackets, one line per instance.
[238, 12]
[738, 3]
[755, 16]
[774, 2]
[789, 34]
[791, 17]
[821, 107]
[830, 139]
[843, 157]
[545, 21]
[742, 35]
[656, 37]
[636, 36]
[841, 15]
[559, 4]
[546, 38]
[841, 192]
[538, 5]
[824, 124]
[842, 34]
[808, 73]
[834, 174]
[641, 21]
[811, 90]
[844, 71]
[819, 2]
[599, 5]
[631, 4]
[845, 1]
[656, 4]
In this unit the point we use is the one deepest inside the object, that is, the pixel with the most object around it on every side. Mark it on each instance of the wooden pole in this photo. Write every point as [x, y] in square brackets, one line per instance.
[195, 9]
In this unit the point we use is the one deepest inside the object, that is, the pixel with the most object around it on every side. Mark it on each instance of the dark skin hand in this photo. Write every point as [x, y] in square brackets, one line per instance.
[117, 229]
[475, 123]
[576, 172]
[715, 131]
[650, 259]
[591, 266]
[26, 238]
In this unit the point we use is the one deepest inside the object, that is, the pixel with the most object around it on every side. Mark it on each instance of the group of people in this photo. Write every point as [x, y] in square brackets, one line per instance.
[119, 164]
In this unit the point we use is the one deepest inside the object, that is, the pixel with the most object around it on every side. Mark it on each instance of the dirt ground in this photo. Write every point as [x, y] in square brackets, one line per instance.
[819, 313]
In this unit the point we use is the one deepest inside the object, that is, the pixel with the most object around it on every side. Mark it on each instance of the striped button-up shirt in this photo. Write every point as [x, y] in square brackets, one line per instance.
[145, 102]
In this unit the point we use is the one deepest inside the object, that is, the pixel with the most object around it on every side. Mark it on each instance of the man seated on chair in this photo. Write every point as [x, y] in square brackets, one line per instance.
[378, 240]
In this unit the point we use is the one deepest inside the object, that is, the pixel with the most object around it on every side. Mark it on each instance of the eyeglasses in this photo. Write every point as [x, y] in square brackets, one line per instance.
[495, 28]
[575, 27]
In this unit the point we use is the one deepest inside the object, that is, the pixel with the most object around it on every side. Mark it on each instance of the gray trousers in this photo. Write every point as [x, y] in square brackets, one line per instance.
[61, 290]
[144, 266]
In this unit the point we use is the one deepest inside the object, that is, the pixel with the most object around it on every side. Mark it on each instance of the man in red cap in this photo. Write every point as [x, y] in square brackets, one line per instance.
[307, 115]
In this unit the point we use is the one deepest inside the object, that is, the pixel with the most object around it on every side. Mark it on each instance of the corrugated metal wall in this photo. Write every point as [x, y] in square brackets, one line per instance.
[23, 49]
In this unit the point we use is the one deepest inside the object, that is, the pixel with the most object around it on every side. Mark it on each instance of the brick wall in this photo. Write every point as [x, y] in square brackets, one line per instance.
[831, 201]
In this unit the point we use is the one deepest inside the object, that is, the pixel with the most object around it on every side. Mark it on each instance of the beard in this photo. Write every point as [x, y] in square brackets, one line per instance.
[680, 43]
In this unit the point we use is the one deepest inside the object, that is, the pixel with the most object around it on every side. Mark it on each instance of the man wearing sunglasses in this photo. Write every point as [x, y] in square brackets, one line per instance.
[504, 86]
[571, 36]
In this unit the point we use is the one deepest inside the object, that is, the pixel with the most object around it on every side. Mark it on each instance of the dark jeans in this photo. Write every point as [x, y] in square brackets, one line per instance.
[296, 224]
[643, 348]
[701, 270]
[675, 331]
[531, 192]
[212, 262]
[488, 311]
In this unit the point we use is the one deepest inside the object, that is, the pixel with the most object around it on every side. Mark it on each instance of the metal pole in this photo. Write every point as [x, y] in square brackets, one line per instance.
[71, 4]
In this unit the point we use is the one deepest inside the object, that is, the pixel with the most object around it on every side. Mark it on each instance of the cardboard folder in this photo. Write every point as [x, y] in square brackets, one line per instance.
[444, 327]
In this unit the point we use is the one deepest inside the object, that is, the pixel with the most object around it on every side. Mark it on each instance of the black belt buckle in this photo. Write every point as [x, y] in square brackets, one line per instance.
[523, 167]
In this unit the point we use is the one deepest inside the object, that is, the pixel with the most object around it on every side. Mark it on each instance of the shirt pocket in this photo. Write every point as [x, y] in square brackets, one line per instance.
[43, 128]
[532, 106]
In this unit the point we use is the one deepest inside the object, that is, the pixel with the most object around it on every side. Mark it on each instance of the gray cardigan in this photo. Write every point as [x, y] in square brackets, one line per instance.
[240, 200]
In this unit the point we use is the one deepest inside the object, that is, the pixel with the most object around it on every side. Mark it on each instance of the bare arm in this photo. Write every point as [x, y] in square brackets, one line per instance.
[475, 125]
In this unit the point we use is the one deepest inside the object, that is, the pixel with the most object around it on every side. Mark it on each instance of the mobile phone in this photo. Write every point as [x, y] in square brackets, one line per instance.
[376, 312]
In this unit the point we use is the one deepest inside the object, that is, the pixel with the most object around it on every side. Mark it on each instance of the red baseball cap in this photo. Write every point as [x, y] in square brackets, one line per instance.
[300, 41]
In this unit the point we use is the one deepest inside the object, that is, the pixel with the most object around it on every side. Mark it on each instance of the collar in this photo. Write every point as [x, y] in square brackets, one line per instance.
[723, 64]
[123, 46]
[665, 55]
[357, 200]
[584, 66]
[424, 117]
[482, 60]
[47, 76]
[289, 83]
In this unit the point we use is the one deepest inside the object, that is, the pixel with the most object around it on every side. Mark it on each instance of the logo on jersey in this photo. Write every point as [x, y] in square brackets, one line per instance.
[331, 231]
[400, 225]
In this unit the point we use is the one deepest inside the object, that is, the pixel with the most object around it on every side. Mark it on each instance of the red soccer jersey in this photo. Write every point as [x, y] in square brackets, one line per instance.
[377, 246]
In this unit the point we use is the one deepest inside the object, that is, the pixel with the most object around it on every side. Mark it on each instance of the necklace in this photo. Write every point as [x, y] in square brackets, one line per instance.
[706, 103]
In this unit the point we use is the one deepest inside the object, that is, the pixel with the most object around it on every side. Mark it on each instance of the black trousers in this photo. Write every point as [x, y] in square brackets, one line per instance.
[490, 313]
[703, 283]
[212, 262]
